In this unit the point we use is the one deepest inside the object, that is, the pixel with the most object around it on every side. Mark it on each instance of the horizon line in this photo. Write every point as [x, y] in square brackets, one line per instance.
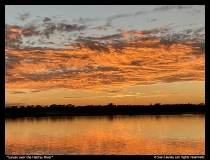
[109, 104]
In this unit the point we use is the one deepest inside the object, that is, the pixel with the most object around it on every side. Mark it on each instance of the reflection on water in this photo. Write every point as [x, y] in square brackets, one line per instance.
[106, 135]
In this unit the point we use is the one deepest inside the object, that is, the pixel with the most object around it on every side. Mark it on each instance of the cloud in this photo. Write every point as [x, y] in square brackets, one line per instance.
[23, 16]
[140, 63]
[74, 97]
[75, 59]
[85, 20]
[51, 28]
[113, 91]
[14, 35]
[99, 28]
[46, 19]
[140, 13]
[17, 92]
[27, 32]
[37, 91]
[15, 104]
[143, 33]
[169, 7]
[70, 27]
[104, 27]
[51, 43]
[152, 20]
[118, 16]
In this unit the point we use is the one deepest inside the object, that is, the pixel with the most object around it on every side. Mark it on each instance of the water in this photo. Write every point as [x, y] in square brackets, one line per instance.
[106, 135]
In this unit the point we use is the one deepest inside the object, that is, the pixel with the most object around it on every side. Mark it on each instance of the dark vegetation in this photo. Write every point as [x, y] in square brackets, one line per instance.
[110, 109]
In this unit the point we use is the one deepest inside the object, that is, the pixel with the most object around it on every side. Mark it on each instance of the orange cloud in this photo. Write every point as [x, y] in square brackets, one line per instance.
[88, 69]
[131, 57]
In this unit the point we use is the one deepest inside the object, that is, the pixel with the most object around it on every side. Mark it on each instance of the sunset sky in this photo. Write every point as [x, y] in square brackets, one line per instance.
[84, 55]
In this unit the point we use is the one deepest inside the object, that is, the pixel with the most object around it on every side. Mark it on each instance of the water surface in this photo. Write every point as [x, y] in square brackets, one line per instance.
[106, 135]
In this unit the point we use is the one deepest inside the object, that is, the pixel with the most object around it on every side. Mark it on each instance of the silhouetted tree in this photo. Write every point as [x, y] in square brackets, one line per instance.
[157, 104]
[22, 107]
[110, 104]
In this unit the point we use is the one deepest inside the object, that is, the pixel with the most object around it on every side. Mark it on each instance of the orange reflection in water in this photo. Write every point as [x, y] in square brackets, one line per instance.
[121, 135]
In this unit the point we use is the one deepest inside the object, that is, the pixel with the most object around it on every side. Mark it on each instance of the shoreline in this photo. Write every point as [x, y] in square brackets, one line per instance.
[105, 111]
[62, 115]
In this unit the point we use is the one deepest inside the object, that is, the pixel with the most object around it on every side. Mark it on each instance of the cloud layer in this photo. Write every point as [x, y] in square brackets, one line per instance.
[61, 54]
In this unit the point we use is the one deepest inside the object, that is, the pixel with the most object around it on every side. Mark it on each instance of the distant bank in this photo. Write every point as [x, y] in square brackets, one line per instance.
[71, 110]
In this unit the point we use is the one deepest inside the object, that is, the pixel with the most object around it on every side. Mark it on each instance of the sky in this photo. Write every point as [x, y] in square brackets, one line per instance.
[101, 54]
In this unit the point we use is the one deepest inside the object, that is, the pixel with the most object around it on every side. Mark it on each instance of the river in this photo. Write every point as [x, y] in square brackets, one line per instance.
[106, 135]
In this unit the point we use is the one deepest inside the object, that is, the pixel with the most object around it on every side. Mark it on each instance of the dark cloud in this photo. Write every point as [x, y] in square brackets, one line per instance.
[188, 31]
[169, 7]
[105, 68]
[46, 19]
[109, 19]
[30, 43]
[99, 28]
[112, 91]
[17, 92]
[85, 20]
[36, 50]
[93, 43]
[28, 33]
[14, 35]
[108, 24]
[118, 41]
[118, 16]
[103, 27]
[51, 28]
[33, 25]
[23, 16]
[199, 48]
[37, 91]
[72, 97]
[198, 30]
[140, 13]
[152, 20]
[196, 36]
[136, 63]
[110, 37]
[15, 79]
[70, 27]
[52, 43]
